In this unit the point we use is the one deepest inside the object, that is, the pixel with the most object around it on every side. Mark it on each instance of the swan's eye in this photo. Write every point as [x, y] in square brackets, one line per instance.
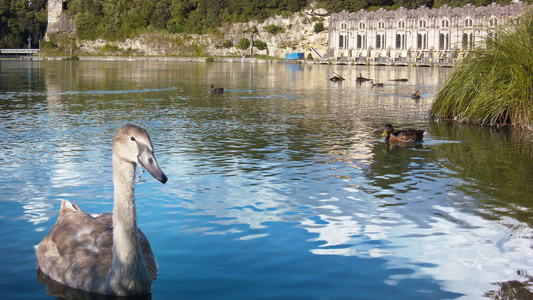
[132, 138]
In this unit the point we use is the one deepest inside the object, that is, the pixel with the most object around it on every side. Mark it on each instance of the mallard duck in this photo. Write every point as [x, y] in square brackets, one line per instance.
[416, 95]
[410, 135]
[216, 90]
[376, 84]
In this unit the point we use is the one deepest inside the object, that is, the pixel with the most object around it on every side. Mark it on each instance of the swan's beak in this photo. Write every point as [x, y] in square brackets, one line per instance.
[147, 160]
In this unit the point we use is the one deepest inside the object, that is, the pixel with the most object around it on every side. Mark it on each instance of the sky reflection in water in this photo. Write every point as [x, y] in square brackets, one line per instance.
[280, 188]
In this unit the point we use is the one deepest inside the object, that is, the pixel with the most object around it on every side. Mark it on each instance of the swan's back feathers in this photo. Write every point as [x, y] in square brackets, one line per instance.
[78, 250]
[67, 206]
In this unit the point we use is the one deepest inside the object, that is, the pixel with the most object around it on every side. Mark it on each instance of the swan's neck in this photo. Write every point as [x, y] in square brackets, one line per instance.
[128, 264]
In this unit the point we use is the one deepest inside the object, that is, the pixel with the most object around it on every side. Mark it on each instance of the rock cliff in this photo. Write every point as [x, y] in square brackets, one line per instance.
[293, 34]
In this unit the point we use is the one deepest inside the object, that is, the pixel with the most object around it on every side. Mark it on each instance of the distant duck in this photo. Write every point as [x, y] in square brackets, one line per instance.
[216, 90]
[416, 96]
[376, 84]
[410, 135]
[336, 78]
[361, 79]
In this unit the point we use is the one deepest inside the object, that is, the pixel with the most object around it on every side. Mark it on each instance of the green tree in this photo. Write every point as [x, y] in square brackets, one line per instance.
[244, 44]
[112, 19]
[161, 14]
[135, 17]
[88, 18]
[180, 11]
[21, 20]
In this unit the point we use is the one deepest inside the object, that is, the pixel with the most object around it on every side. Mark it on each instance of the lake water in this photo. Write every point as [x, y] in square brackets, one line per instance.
[280, 188]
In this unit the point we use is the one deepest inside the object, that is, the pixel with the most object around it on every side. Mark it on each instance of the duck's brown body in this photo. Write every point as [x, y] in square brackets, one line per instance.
[410, 135]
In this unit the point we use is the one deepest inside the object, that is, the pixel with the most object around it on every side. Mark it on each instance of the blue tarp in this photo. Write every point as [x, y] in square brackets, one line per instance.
[294, 56]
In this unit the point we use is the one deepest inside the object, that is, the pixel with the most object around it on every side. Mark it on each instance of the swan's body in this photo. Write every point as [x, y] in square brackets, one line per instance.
[410, 135]
[215, 90]
[106, 253]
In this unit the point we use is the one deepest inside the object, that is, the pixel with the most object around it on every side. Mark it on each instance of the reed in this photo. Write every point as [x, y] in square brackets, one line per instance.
[493, 84]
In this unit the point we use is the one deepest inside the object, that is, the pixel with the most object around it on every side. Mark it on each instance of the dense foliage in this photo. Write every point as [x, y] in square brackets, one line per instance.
[120, 19]
[20, 19]
[494, 84]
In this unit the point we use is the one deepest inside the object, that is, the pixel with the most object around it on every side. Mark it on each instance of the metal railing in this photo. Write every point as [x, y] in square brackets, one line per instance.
[20, 51]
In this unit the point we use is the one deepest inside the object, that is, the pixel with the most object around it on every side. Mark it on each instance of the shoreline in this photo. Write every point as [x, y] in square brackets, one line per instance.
[144, 58]
[205, 59]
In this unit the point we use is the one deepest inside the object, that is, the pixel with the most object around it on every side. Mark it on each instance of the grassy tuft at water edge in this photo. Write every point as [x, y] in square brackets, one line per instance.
[493, 84]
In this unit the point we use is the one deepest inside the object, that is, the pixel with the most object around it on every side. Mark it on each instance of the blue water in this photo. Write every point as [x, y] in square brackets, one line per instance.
[280, 188]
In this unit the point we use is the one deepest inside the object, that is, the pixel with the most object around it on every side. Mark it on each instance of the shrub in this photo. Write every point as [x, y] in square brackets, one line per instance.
[110, 48]
[273, 29]
[494, 84]
[244, 44]
[227, 44]
[319, 27]
[260, 45]
[198, 50]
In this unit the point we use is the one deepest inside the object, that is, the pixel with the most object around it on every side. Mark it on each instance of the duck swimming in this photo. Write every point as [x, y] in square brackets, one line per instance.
[216, 90]
[410, 135]
[376, 84]
[361, 79]
[106, 253]
[415, 95]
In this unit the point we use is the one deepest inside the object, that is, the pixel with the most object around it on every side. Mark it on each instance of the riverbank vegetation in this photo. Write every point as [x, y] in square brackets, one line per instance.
[494, 84]
[118, 20]
[20, 20]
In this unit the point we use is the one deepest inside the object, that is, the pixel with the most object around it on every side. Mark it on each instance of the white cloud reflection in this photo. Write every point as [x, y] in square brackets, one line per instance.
[347, 217]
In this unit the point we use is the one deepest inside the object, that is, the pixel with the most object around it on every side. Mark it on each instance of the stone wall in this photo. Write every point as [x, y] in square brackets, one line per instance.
[58, 20]
[415, 34]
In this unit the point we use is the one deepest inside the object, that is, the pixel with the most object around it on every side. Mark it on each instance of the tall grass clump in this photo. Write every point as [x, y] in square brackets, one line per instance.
[493, 84]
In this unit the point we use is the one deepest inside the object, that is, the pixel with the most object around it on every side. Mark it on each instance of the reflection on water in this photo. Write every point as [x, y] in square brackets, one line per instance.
[281, 186]
[53, 288]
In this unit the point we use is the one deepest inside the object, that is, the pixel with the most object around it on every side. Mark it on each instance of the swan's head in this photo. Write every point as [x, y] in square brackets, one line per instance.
[132, 144]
